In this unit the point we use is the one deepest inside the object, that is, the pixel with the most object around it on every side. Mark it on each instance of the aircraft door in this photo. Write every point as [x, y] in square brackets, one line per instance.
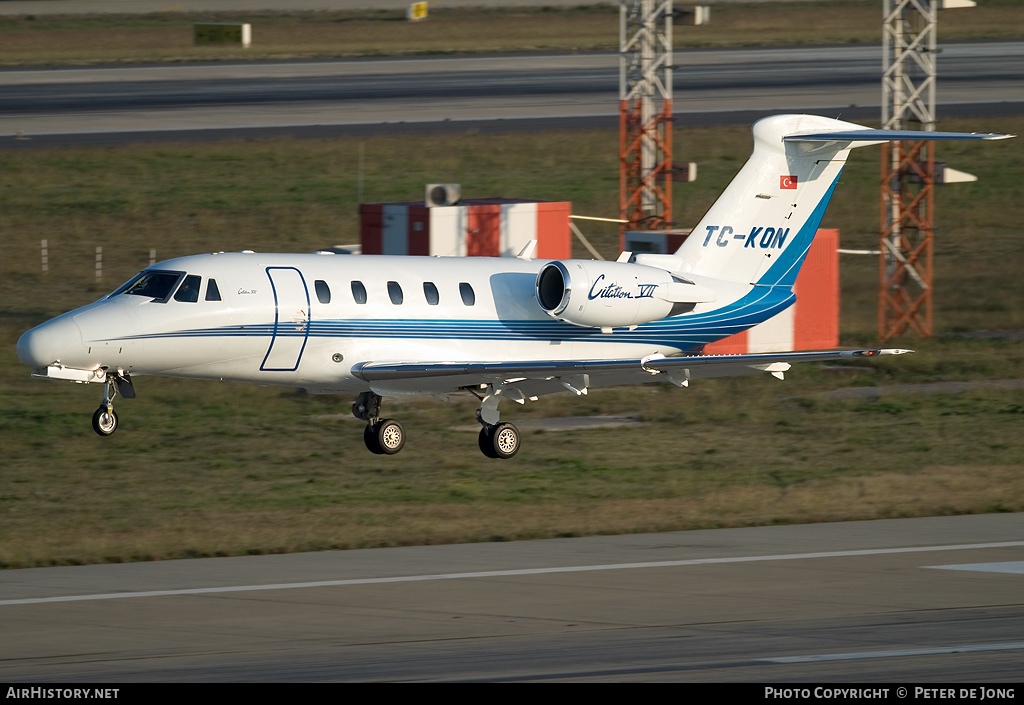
[291, 320]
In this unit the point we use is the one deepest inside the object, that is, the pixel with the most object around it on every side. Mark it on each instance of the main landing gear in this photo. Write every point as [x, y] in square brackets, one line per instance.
[381, 436]
[387, 437]
[497, 439]
[104, 420]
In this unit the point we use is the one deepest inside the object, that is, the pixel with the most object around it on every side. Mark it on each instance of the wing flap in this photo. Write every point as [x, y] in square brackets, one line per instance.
[547, 376]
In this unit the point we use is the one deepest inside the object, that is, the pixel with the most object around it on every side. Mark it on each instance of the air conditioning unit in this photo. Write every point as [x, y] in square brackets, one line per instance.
[442, 195]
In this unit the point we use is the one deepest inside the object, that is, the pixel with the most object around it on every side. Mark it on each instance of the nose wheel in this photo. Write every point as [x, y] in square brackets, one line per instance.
[104, 421]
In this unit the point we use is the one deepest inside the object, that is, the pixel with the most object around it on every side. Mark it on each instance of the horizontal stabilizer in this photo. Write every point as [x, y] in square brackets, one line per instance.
[887, 135]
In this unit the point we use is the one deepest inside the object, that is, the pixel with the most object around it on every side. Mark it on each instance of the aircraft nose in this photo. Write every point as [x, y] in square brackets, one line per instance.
[47, 343]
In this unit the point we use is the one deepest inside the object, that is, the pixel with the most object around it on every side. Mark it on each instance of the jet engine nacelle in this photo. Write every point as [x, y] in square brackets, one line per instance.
[613, 294]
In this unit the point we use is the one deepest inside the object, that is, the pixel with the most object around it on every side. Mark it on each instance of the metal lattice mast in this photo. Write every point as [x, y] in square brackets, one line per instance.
[645, 114]
[908, 183]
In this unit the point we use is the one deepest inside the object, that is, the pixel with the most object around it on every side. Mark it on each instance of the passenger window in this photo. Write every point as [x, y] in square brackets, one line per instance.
[188, 292]
[323, 292]
[430, 291]
[358, 292]
[212, 292]
[468, 297]
[395, 292]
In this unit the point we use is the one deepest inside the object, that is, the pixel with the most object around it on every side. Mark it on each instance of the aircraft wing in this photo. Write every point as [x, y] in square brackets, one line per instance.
[523, 379]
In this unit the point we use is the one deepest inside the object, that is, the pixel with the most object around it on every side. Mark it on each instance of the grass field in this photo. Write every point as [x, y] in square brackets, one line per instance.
[169, 36]
[189, 474]
[202, 469]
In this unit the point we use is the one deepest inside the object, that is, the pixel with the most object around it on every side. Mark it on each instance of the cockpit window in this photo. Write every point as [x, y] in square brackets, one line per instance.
[212, 292]
[188, 292]
[153, 283]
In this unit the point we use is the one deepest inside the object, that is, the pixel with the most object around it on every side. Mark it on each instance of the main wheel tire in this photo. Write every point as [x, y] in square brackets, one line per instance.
[104, 421]
[486, 440]
[504, 440]
[386, 437]
[371, 441]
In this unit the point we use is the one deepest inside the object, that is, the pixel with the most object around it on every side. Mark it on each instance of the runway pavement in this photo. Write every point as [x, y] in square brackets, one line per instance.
[903, 600]
[107, 105]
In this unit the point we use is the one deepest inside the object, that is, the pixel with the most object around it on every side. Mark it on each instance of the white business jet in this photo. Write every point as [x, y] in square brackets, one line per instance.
[498, 328]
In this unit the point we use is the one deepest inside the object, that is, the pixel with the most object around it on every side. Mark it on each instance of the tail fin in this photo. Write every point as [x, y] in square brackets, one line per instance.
[760, 228]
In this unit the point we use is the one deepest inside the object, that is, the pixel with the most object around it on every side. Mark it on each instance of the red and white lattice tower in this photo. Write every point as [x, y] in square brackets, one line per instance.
[908, 167]
[645, 115]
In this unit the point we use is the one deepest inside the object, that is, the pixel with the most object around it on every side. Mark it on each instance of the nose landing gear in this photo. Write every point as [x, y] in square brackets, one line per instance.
[104, 420]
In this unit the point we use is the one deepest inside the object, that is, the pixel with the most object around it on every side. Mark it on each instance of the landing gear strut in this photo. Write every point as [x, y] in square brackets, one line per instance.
[104, 420]
[381, 436]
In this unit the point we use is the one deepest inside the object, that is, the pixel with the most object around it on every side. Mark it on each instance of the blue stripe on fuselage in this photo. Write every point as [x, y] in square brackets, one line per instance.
[686, 331]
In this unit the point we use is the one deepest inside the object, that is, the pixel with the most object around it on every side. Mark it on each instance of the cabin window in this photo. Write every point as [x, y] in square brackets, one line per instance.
[153, 283]
[430, 292]
[468, 297]
[395, 292]
[188, 292]
[212, 292]
[323, 292]
[358, 292]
